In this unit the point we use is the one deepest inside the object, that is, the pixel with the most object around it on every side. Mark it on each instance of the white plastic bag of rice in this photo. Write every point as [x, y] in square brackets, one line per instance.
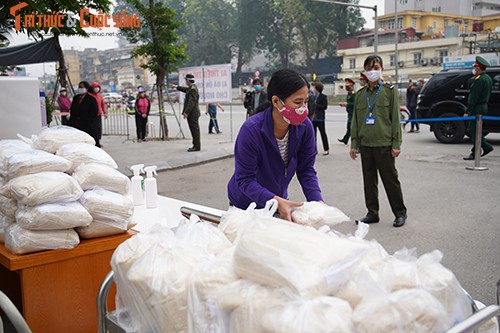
[52, 216]
[317, 214]
[105, 228]
[51, 138]
[8, 207]
[4, 223]
[44, 187]
[33, 161]
[109, 206]
[20, 241]
[79, 153]
[91, 175]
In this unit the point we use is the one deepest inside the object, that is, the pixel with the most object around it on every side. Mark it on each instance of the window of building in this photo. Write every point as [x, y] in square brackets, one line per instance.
[382, 24]
[400, 23]
[414, 23]
[352, 63]
[442, 54]
[392, 61]
[416, 58]
[466, 28]
[403, 2]
[434, 24]
[445, 22]
[391, 24]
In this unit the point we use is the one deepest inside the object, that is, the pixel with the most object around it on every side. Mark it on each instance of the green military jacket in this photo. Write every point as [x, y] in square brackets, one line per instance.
[191, 100]
[480, 91]
[350, 101]
[387, 129]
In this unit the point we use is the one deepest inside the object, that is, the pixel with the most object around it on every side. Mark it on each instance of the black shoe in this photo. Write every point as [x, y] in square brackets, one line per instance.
[399, 221]
[469, 158]
[486, 152]
[211, 133]
[368, 220]
[193, 149]
[343, 141]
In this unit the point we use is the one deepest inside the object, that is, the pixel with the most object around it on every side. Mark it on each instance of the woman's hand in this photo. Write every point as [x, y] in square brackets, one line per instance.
[285, 207]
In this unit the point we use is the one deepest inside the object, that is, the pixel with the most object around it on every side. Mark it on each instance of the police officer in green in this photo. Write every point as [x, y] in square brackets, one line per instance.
[349, 106]
[477, 103]
[376, 131]
[191, 110]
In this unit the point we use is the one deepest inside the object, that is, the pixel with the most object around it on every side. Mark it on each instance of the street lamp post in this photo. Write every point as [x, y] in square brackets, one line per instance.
[374, 8]
[396, 27]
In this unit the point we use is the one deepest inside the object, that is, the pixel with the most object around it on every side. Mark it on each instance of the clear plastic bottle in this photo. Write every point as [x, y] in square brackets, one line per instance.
[136, 186]
[150, 187]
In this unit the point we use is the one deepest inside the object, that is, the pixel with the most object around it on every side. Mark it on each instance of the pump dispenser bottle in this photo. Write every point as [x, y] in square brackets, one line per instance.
[150, 187]
[137, 194]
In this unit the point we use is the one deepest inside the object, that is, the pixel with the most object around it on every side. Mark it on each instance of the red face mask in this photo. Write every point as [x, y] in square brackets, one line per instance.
[293, 116]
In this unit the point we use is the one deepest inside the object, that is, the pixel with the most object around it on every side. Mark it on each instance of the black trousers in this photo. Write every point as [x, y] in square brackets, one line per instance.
[324, 138]
[379, 161]
[140, 126]
[194, 128]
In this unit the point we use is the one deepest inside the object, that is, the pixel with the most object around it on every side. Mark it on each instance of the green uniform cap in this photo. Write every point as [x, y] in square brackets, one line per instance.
[481, 61]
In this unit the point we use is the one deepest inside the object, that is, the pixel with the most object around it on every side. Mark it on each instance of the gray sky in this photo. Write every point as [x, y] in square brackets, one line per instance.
[109, 42]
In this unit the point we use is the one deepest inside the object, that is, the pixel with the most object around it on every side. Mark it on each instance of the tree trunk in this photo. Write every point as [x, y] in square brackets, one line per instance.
[160, 79]
[62, 71]
[239, 66]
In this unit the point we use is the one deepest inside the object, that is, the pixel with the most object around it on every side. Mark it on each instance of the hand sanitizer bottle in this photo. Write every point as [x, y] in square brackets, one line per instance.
[150, 187]
[137, 194]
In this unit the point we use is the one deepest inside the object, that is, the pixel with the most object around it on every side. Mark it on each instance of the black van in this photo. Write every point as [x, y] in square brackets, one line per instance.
[445, 95]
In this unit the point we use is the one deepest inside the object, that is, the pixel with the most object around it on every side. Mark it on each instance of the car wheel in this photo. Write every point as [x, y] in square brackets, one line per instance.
[449, 131]
[405, 116]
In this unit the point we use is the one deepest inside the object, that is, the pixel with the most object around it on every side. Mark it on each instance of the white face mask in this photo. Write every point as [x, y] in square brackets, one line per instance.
[81, 91]
[373, 75]
[96, 90]
[474, 72]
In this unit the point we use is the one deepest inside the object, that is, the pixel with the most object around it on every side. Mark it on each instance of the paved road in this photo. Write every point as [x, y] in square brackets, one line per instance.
[449, 208]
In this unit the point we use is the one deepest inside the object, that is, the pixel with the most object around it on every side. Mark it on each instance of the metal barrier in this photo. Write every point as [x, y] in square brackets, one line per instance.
[117, 122]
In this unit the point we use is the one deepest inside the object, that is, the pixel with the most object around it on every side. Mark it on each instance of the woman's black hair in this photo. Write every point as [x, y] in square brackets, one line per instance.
[283, 84]
[87, 86]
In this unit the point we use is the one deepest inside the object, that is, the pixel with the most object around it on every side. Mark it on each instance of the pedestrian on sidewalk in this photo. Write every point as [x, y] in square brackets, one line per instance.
[191, 110]
[142, 107]
[376, 131]
[100, 104]
[477, 103]
[349, 107]
[64, 103]
[83, 111]
[255, 98]
[211, 110]
[275, 144]
[412, 93]
[321, 103]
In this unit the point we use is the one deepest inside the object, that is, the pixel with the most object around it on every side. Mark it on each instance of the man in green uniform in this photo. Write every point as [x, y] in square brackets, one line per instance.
[191, 110]
[349, 107]
[376, 131]
[477, 103]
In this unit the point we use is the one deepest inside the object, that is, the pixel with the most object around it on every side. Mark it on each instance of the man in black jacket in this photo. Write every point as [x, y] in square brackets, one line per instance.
[255, 98]
[321, 102]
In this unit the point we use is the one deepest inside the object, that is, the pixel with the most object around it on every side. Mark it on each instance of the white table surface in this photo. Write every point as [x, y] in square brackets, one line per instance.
[166, 214]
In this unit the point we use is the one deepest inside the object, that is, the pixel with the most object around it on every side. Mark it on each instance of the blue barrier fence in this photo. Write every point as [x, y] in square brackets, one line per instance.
[447, 119]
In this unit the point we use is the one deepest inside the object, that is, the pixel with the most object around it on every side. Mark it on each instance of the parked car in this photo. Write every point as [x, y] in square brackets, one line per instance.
[112, 96]
[172, 95]
[445, 95]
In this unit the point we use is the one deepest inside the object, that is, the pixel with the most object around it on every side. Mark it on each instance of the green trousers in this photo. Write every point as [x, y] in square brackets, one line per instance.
[194, 128]
[485, 145]
[379, 161]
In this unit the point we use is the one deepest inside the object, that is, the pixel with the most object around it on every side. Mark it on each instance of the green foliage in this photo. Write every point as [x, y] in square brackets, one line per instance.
[49, 109]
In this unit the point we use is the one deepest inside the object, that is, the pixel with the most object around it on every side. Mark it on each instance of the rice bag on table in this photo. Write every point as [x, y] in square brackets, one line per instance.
[52, 216]
[33, 161]
[44, 187]
[105, 228]
[8, 148]
[317, 214]
[8, 207]
[4, 223]
[108, 206]
[20, 241]
[278, 253]
[403, 311]
[157, 285]
[51, 138]
[79, 153]
[203, 285]
[203, 234]
[91, 175]
[320, 315]
[404, 270]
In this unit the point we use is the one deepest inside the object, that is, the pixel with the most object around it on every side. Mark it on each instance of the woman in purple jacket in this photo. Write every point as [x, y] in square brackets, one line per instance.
[274, 145]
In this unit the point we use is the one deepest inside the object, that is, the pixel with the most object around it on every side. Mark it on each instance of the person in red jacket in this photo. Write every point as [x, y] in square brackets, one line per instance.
[100, 104]
[142, 107]
[64, 103]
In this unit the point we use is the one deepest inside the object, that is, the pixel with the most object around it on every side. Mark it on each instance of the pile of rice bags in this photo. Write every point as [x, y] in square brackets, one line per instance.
[40, 202]
[256, 273]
